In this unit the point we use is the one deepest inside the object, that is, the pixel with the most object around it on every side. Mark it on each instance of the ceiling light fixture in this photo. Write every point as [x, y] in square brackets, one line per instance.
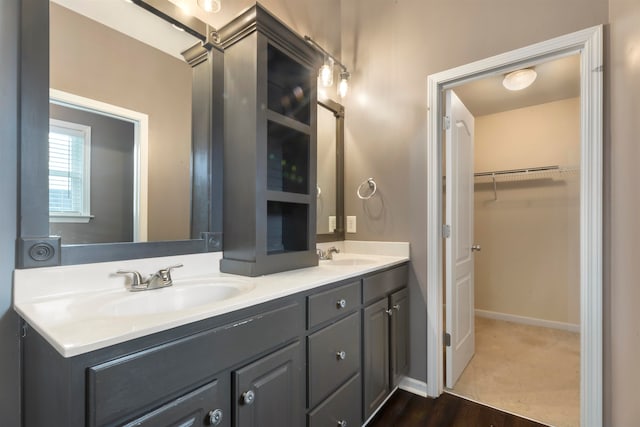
[519, 79]
[210, 6]
[325, 74]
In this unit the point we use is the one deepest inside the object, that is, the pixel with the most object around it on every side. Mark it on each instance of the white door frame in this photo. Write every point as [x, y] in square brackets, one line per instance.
[140, 149]
[588, 43]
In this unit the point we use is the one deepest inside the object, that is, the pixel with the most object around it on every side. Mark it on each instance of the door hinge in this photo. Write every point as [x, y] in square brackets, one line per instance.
[446, 122]
[447, 340]
[446, 231]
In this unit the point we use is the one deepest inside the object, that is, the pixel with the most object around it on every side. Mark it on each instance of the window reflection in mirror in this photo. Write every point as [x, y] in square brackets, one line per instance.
[95, 62]
[330, 174]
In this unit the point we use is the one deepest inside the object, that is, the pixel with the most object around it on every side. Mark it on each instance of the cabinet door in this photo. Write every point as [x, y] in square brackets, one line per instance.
[268, 392]
[205, 406]
[376, 356]
[399, 303]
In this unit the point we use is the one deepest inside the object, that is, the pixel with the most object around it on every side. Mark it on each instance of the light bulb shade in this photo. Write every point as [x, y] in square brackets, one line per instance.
[519, 79]
[343, 86]
[210, 6]
[326, 73]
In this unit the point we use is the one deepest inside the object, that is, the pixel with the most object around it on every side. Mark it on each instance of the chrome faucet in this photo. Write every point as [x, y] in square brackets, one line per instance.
[328, 254]
[159, 279]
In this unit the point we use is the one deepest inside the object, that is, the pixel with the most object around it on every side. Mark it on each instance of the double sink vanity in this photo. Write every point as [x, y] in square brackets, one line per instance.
[318, 346]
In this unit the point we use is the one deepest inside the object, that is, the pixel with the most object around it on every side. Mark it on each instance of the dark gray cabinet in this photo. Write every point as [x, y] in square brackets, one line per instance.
[376, 356]
[385, 335]
[269, 146]
[268, 392]
[399, 335]
[290, 362]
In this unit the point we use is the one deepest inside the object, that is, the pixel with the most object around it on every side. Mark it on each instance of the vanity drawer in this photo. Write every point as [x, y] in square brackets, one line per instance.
[381, 284]
[326, 305]
[334, 356]
[341, 406]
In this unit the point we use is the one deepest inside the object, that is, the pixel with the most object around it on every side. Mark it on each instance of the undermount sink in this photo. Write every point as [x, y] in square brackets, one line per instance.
[351, 261]
[180, 296]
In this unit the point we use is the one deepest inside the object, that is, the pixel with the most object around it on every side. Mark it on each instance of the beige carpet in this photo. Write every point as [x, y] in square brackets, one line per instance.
[527, 370]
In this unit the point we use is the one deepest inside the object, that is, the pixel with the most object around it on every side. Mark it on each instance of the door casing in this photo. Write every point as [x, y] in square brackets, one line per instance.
[588, 43]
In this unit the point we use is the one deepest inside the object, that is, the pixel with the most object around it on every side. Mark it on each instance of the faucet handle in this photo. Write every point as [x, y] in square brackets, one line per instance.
[136, 277]
[165, 273]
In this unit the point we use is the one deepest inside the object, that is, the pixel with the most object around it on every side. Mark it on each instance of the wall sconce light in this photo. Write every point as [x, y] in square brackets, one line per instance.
[343, 85]
[326, 70]
[519, 79]
[210, 6]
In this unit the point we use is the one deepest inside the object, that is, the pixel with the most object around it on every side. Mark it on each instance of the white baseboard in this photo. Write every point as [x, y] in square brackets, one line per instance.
[528, 320]
[414, 386]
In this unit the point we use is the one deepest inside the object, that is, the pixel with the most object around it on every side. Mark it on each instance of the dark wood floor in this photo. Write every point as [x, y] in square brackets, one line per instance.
[408, 410]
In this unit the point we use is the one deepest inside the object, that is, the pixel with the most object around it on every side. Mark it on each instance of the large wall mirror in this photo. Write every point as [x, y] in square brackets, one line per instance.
[330, 180]
[132, 163]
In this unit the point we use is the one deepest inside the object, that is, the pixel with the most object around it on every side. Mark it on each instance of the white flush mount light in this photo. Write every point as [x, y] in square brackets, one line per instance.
[210, 6]
[519, 79]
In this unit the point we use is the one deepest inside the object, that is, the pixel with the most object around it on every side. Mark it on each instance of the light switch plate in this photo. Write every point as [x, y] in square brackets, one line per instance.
[332, 223]
[351, 224]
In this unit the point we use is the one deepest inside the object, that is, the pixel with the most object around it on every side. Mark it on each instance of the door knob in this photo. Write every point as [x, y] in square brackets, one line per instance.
[475, 248]
[341, 355]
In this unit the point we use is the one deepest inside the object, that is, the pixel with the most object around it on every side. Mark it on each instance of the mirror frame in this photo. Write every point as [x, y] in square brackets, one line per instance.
[35, 248]
[338, 112]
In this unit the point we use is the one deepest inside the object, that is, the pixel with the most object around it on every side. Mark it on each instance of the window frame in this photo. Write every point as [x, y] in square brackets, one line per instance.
[85, 213]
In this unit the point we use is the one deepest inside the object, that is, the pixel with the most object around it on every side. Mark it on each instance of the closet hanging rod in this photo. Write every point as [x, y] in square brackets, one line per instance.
[513, 171]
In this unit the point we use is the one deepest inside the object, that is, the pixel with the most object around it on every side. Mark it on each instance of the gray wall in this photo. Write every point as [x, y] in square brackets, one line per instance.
[112, 143]
[9, 322]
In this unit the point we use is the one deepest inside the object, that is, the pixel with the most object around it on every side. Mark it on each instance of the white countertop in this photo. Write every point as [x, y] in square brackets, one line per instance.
[82, 308]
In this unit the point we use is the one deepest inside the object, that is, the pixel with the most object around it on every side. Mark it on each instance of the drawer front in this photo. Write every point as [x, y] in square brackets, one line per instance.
[208, 405]
[343, 405]
[381, 284]
[329, 304]
[132, 385]
[334, 356]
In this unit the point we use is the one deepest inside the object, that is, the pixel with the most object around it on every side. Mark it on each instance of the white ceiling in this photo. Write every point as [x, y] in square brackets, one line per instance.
[135, 22]
[557, 79]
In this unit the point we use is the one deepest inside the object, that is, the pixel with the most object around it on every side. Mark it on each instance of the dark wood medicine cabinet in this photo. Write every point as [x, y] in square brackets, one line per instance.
[37, 249]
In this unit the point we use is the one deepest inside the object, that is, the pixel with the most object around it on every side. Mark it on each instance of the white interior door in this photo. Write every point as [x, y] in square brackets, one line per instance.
[459, 255]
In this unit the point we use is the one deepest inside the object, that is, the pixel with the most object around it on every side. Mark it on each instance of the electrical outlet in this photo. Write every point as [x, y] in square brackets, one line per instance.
[332, 223]
[351, 224]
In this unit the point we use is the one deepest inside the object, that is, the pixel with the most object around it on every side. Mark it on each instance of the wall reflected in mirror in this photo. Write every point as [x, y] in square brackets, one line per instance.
[330, 206]
[137, 181]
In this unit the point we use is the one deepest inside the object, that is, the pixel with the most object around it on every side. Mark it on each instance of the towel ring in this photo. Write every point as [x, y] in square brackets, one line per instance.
[372, 186]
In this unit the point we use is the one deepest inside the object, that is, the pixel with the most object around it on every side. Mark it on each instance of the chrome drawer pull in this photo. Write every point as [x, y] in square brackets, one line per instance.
[342, 303]
[341, 355]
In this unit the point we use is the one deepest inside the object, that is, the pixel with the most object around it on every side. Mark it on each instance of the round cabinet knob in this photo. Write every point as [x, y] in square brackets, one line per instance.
[214, 417]
[396, 307]
[342, 303]
[248, 397]
[341, 355]
[389, 312]
[342, 423]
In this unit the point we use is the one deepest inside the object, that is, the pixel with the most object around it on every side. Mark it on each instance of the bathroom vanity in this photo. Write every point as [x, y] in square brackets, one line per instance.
[321, 346]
